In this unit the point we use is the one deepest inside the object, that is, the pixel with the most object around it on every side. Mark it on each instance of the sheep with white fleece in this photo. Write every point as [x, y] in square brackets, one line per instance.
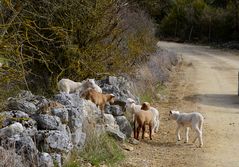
[132, 107]
[95, 86]
[69, 86]
[192, 120]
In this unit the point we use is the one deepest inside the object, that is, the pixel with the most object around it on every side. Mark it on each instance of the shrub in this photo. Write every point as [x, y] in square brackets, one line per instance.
[45, 41]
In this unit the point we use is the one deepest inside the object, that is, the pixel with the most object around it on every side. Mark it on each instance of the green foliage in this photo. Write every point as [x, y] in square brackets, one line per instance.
[102, 149]
[195, 20]
[45, 41]
[2, 118]
[151, 93]
[74, 160]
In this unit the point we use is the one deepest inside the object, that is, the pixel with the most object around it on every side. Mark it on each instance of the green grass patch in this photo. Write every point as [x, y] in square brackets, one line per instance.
[102, 149]
[2, 118]
[98, 150]
[147, 96]
[151, 94]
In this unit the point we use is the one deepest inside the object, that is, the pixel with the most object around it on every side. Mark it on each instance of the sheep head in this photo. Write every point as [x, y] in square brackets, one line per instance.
[111, 98]
[173, 114]
[145, 106]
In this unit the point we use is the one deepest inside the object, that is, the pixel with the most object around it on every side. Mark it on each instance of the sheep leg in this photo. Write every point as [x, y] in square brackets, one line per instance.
[150, 131]
[178, 133]
[135, 133]
[102, 110]
[200, 139]
[143, 131]
[138, 131]
[157, 126]
[186, 135]
[199, 136]
[154, 127]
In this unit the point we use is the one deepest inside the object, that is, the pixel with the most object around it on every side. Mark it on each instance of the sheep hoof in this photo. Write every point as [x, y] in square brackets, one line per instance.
[177, 142]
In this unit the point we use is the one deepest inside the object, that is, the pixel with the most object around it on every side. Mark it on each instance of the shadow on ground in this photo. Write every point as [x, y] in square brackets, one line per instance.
[217, 100]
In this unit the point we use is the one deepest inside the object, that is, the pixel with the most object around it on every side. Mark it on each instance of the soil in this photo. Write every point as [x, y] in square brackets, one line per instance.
[207, 82]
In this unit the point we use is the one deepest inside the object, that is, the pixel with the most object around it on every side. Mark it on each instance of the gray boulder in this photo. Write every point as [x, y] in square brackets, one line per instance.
[54, 141]
[45, 160]
[62, 113]
[115, 110]
[18, 114]
[111, 130]
[124, 125]
[115, 132]
[76, 118]
[77, 115]
[67, 99]
[120, 87]
[78, 138]
[22, 105]
[11, 130]
[25, 101]
[10, 159]
[47, 122]
[25, 147]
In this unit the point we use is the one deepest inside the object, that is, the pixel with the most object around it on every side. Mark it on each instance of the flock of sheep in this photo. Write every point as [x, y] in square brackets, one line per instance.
[142, 114]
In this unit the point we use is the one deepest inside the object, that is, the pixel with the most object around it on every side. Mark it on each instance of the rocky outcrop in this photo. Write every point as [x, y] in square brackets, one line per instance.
[30, 137]
[49, 136]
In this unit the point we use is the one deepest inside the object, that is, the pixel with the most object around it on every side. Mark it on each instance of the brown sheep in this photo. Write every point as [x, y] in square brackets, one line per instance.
[99, 99]
[143, 118]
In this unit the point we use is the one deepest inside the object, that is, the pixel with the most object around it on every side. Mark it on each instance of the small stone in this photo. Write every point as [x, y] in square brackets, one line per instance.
[133, 141]
[45, 160]
[127, 147]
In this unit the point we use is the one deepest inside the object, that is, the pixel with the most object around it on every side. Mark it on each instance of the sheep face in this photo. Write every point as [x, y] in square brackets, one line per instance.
[90, 83]
[111, 99]
[129, 102]
[173, 114]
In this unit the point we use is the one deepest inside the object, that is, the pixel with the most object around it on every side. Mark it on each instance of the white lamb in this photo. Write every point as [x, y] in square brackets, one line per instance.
[69, 86]
[192, 120]
[95, 86]
[132, 107]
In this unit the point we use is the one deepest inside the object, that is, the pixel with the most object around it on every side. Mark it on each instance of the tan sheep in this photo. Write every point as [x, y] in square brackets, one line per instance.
[156, 121]
[99, 99]
[143, 118]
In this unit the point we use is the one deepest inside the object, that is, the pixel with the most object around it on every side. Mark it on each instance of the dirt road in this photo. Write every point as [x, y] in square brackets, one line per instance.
[206, 82]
